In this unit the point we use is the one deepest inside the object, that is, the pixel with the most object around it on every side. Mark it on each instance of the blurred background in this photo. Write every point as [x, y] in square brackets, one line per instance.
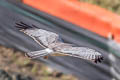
[90, 23]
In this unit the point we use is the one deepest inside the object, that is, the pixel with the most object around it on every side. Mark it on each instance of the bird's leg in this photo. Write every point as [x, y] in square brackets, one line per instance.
[45, 57]
[58, 54]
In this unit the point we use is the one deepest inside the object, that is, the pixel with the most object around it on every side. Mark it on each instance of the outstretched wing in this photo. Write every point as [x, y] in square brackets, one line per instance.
[41, 36]
[82, 52]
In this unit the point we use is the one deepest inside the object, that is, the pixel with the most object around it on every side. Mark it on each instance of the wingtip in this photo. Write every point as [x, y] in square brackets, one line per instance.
[99, 59]
[22, 26]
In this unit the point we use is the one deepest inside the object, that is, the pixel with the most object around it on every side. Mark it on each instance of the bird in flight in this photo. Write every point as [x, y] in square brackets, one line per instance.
[53, 46]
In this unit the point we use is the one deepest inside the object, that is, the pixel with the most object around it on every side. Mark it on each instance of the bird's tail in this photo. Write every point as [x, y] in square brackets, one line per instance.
[37, 54]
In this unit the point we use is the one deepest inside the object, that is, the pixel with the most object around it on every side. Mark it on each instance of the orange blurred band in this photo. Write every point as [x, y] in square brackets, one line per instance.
[90, 17]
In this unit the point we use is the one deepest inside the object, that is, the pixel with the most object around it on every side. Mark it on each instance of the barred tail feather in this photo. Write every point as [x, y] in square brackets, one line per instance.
[37, 54]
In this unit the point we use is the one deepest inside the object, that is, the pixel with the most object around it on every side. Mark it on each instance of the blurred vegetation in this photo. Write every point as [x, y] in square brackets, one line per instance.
[15, 65]
[112, 5]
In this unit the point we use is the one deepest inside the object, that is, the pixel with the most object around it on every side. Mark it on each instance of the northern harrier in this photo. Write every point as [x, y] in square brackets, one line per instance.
[54, 46]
